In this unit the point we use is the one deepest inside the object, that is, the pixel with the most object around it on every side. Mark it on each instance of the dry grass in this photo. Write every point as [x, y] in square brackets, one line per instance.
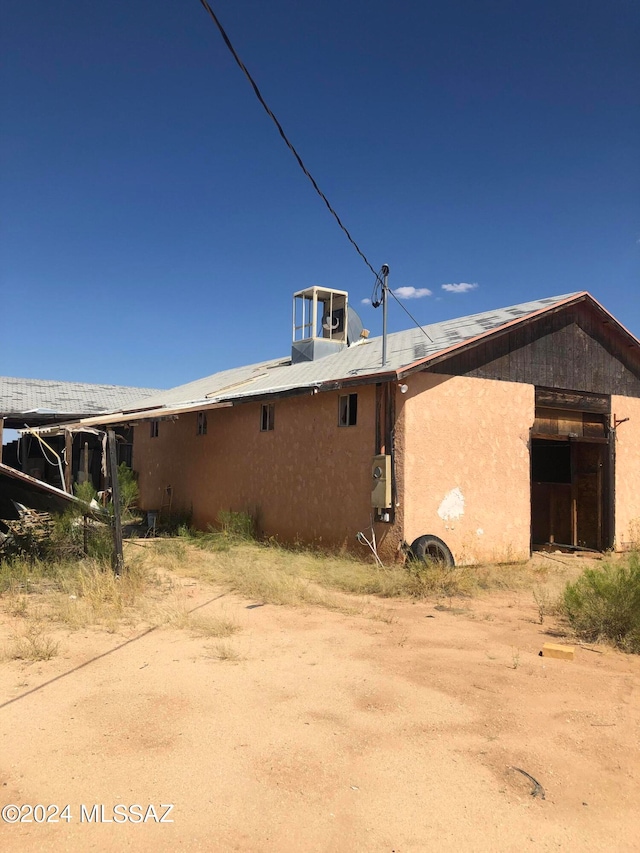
[33, 644]
[84, 593]
[176, 614]
[76, 593]
[223, 651]
[213, 626]
[275, 575]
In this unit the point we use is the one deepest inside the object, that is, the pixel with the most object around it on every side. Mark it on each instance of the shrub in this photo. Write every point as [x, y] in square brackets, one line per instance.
[85, 492]
[128, 488]
[71, 532]
[604, 604]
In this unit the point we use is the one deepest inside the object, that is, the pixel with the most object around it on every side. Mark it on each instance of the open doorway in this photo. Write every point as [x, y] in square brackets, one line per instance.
[571, 479]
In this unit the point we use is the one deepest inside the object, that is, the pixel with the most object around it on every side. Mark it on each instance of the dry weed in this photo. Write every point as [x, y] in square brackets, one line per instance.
[177, 615]
[18, 606]
[223, 651]
[33, 645]
[213, 626]
[542, 599]
[275, 575]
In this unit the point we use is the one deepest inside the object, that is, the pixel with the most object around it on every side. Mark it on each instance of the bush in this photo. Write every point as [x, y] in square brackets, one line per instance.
[85, 492]
[128, 488]
[604, 604]
[71, 533]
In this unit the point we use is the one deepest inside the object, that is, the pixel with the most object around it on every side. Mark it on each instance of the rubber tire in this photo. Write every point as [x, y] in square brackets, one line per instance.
[431, 548]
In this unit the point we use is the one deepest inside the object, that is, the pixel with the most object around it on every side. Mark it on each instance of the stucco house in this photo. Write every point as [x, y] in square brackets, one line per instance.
[495, 433]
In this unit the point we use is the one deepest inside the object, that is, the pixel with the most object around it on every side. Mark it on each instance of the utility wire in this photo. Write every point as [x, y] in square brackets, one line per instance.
[377, 296]
[289, 145]
[406, 310]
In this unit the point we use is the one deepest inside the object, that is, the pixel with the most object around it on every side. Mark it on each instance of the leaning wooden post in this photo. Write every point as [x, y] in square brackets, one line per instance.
[68, 459]
[118, 557]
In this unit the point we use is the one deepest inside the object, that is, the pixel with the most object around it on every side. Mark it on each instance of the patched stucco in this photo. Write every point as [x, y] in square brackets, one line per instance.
[466, 466]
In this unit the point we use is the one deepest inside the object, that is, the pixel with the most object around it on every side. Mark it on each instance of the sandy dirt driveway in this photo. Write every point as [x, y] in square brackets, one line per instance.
[391, 731]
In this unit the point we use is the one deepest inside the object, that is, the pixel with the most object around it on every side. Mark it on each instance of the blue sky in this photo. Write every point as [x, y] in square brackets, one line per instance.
[155, 226]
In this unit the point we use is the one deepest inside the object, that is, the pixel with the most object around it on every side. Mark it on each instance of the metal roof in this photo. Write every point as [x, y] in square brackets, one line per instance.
[363, 360]
[36, 400]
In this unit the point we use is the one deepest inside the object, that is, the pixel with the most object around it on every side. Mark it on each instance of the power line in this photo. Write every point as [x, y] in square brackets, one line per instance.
[406, 310]
[289, 145]
[377, 297]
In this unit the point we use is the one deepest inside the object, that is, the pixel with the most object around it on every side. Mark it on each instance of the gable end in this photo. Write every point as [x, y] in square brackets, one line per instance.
[572, 348]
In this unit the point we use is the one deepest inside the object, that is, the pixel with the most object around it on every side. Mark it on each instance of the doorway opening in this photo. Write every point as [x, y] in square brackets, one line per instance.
[571, 477]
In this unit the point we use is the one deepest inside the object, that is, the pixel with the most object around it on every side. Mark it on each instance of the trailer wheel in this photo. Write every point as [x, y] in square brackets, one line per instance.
[431, 549]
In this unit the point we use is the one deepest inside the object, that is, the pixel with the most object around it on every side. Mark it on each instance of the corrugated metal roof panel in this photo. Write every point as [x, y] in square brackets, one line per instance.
[363, 359]
[23, 396]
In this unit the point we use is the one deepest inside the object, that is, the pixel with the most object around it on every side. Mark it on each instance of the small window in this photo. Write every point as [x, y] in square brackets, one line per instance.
[155, 427]
[348, 410]
[267, 416]
[202, 423]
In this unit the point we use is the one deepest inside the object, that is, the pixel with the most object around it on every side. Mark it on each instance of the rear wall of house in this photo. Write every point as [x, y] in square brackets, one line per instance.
[307, 480]
[466, 466]
[627, 476]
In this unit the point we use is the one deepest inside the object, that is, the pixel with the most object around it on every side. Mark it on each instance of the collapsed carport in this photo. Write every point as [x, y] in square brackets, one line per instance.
[20, 494]
[18, 489]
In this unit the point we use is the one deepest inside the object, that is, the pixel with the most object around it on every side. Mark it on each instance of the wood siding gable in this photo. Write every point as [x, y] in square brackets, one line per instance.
[574, 348]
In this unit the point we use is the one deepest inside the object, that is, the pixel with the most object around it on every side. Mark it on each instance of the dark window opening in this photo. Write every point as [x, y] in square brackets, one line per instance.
[348, 410]
[267, 417]
[202, 423]
[154, 429]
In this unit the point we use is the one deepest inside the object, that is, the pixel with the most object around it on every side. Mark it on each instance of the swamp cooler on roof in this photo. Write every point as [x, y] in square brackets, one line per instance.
[323, 324]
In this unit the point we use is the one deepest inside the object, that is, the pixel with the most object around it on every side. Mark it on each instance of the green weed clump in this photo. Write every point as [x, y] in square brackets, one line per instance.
[233, 528]
[237, 525]
[604, 604]
[128, 488]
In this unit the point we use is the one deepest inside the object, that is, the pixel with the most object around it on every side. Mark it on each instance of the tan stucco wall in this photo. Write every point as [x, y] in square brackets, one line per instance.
[467, 457]
[308, 480]
[627, 474]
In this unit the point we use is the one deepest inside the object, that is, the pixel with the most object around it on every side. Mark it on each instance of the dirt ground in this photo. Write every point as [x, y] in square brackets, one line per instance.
[395, 730]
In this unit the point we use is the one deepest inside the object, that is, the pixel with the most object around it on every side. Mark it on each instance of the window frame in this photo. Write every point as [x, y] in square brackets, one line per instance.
[201, 423]
[154, 428]
[347, 410]
[267, 417]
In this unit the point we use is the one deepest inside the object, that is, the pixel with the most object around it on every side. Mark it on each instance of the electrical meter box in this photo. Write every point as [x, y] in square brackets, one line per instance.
[381, 481]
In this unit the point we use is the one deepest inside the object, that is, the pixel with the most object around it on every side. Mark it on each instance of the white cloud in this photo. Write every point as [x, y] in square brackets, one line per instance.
[365, 302]
[412, 292]
[463, 287]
